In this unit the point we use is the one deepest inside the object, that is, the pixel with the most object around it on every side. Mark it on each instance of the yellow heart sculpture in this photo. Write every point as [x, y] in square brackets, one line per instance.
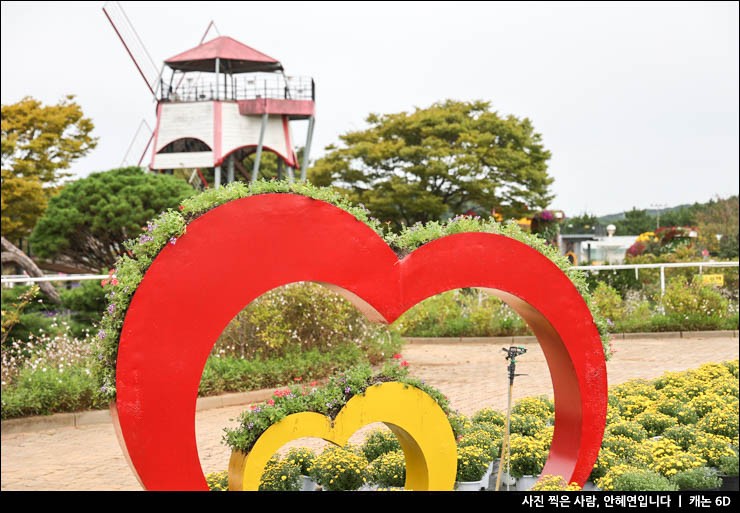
[414, 417]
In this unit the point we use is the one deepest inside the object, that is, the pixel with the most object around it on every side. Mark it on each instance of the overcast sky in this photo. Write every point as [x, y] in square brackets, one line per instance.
[638, 102]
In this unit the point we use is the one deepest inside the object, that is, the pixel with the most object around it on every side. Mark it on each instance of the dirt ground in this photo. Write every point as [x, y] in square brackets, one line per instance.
[472, 375]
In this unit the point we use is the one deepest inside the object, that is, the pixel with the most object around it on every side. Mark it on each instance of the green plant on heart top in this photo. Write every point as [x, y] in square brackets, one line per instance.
[170, 225]
[327, 400]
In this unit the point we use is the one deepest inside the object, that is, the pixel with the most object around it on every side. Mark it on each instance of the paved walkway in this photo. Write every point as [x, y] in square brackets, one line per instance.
[473, 375]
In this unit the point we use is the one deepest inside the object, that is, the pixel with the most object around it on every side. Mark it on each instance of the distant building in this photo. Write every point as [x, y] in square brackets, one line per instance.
[589, 249]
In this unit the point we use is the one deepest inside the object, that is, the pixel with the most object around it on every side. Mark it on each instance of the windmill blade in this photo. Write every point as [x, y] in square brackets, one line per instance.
[143, 136]
[133, 45]
[210, 26]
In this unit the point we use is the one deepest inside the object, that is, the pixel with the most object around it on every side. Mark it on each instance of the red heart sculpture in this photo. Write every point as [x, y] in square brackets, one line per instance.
[240, 250]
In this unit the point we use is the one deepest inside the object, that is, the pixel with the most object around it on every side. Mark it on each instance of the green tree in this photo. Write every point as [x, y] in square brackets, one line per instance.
[681, 216]
[23, 201]
[433, 163]
[41, 141]
[38, 143]
[719, 217]
[583, 223]
[635, 222]
[88, 221]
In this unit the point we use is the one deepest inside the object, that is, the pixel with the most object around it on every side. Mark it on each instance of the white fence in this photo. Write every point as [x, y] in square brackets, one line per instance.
[661, 266]
[9, 280]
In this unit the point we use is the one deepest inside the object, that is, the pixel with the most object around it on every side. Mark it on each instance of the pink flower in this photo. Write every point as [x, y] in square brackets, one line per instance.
[404, 363]
[397, 356]
[271, 402]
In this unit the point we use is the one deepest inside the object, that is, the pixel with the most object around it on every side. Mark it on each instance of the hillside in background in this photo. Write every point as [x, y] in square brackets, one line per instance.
[715, 223]
[652, 212]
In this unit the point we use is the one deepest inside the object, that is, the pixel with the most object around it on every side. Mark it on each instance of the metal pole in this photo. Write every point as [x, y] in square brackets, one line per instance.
[258, 155]
[511, 354]
[230, 169]
[505, 460]
[217, 177]
[307, 148]
[218, 68]
[662, 281]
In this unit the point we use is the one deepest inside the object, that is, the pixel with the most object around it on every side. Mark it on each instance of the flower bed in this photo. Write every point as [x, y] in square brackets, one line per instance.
[684, 455]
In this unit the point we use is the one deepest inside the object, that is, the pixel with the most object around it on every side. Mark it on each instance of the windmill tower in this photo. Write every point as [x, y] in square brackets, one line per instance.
[219, 102]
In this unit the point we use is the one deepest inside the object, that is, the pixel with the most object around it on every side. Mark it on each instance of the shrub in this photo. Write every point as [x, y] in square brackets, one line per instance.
[218, 481]
[527, 456]
[27, 313]
[496, 431]
[489, 415]
[728, 465]
[526, 425]
[86, 303]
[608, 481]
[684, 436]
[550, 483]
[338, 469]
[668, 458]
[632, 405]
[722, 421]
[628, 429]
[626, 449]
[480, 438]
[608, 301]
[705, 403]
[685, 299]
[293, 318]
[378, 443]
[472, 463]
[302, 457]
[388, 469]
[732, 367]
[700, 478]
[655, 423]
[677, 409]
[461, 313]
[460, 423]
[642, 480]
[541, 407]
[712, 448]
[281, 475]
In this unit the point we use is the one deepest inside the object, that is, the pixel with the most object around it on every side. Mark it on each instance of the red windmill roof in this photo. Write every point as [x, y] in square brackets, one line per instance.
[234, 57]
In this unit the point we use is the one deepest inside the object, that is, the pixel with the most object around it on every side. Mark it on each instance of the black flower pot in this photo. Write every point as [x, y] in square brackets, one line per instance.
[730, 483]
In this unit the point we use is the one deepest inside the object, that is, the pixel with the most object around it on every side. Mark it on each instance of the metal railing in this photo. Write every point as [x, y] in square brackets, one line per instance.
[661, 266]
[239, 87]
[19, 278]
[12, 279]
